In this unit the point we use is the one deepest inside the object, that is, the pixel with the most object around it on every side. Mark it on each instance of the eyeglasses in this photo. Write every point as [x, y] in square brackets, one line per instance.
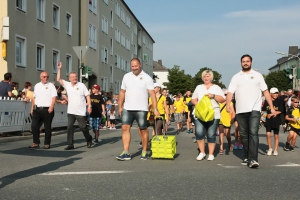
[45, 76]
[296, 102]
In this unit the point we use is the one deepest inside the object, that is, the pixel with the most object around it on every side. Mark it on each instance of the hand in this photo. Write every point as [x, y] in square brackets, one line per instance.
[50, 109]
[89, 110]
[273, 112]
[211, 96]
[228, 109]
[156, 113]
[120, 111]
[31, 111]
[59, 65]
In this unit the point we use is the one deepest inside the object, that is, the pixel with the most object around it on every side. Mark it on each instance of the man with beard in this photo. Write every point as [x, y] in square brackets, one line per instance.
[248, 85]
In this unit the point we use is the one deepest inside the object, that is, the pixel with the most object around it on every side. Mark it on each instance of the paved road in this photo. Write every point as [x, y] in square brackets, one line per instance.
[95, 173]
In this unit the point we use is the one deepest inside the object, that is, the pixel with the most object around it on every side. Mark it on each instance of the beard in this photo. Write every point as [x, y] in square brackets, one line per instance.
[246, 69]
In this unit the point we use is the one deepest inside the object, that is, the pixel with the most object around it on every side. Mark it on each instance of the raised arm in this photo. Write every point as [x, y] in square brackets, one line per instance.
[58, 79]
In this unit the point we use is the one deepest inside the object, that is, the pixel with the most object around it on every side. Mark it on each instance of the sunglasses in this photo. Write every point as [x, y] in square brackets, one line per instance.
[45, 76]
[296, 102]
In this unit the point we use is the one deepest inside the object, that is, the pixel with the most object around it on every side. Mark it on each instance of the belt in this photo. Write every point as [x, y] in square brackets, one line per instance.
[41, 107]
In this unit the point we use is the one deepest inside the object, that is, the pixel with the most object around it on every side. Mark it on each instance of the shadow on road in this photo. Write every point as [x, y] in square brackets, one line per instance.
[6, 180]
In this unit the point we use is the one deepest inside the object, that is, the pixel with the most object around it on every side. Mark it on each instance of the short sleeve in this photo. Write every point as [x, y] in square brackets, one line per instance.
[53, 90]
[232, 85]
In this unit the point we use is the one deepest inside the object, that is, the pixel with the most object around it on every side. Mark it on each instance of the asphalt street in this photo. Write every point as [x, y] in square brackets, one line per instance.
[94, 173]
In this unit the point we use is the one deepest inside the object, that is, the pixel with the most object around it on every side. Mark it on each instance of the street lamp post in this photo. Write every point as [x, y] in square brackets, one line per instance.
[295, 79]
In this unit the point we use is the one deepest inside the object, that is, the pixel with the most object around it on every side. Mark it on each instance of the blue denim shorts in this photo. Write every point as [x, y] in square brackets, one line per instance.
[210, 127]
[139, 116]
[95, 123]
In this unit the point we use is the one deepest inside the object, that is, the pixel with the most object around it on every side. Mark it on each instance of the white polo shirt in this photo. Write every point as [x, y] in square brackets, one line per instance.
[76, 98]
[43, 94]
[248, 88]
[136, 87]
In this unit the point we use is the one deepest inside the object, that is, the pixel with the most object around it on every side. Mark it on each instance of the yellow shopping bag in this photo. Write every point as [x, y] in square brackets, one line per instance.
[204, 109]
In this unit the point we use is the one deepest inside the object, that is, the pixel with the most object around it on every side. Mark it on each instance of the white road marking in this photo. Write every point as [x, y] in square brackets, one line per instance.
[228, 167]
[289, 164]
[89, 172]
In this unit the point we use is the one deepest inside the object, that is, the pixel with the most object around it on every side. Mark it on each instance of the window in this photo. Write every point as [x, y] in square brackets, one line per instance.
[104, 25]
[40, 57]
[104, 55]
[122, 15]
[127, 44]
[105, 1]
[117, 35]
[135, 49]
[117, 61]
[111, 19]
[68, 64]
[145, 58]
[55, 58]
[117, 9]
[92, 36]
[128, 21]
[127, 66]
[40, 10]
[21, 5]
[135, 29]
[69, 24]
[117, 86]
[104, 83]
[123, 67]
[93, 6]
[20, 51]
[111, 46]
[123, 39]
[56, 16]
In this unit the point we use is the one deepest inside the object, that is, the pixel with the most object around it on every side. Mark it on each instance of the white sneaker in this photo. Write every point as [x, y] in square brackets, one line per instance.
[210, 158]
[269, 152]
[275, 153]
[201, 156]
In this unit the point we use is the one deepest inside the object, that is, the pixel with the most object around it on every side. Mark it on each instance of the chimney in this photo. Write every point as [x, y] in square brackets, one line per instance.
[159, 62]
[293, 50]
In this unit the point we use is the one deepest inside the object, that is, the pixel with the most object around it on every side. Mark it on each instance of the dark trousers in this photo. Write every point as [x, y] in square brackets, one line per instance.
[82, 125]
[248, 127]
[39, 117]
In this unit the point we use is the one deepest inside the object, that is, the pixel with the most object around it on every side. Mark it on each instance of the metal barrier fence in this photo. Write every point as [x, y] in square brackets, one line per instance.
[15, 116]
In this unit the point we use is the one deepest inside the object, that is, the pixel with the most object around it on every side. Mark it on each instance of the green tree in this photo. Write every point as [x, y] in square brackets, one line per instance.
[279, 80]
[179, 82]
[217, 77]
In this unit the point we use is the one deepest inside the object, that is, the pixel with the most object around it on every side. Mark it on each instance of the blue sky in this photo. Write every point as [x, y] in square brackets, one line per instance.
[209, 33]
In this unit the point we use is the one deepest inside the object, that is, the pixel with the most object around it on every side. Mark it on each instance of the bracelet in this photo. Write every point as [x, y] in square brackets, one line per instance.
[156, 109]
[213, 96]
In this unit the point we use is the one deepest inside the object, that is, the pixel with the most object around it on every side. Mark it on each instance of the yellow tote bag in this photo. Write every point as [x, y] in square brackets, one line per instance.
[204, 110]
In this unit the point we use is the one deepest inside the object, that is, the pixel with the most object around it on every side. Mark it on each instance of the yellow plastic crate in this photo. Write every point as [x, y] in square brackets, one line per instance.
[163, 146]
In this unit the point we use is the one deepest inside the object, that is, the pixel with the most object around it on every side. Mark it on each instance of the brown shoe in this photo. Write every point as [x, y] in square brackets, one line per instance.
[34, 146]
[46, 146]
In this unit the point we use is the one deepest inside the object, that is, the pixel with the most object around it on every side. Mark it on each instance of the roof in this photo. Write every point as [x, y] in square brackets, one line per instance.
[158, 67]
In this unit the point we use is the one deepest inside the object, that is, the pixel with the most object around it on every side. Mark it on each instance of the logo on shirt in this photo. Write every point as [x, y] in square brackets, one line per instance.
[46, 88]
[252, 77]
[77, 88]
[141, 78]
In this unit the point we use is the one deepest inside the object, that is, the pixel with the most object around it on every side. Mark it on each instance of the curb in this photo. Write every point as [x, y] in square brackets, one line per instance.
[26, 136]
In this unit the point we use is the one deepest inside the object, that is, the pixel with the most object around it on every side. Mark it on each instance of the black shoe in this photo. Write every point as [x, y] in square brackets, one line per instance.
[245, 162]
[89, 144]
[253, 164]
[291, 148]
[34, 146]
[69, 147]
[287, 146]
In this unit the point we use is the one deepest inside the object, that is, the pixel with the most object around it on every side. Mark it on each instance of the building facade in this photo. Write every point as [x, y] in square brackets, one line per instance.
[36, 34]
[41, 32]
[114, 36]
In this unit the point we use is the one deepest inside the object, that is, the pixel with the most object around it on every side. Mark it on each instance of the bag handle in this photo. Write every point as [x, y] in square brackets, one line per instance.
[223, 107]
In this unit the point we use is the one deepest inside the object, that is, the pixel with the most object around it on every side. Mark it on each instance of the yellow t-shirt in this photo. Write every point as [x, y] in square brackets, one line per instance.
[160, 104]
[187, 100]
[225, 116]
[179, 106]
[29, 94]
[295, 113]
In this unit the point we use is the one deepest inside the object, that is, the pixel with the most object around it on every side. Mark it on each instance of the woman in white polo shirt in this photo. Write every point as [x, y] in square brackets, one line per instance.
[215, 93]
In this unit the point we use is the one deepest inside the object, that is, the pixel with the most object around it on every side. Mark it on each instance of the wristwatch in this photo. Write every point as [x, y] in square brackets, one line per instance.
[156, 109]
[213, 96]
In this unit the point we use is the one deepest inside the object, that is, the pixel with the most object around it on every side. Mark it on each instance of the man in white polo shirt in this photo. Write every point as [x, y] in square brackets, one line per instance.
[248, 86]
[42, 110]
[78, 100]
[134, 92]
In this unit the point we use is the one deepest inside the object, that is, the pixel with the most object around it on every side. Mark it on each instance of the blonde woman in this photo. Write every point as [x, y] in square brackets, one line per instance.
[216, 95]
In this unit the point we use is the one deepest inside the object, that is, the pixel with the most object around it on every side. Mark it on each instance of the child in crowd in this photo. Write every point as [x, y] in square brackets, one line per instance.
[293, 117]
[178, 115]
[112, 117]
[225, 124]
[108, 106]
[237, 137]
[273, 123]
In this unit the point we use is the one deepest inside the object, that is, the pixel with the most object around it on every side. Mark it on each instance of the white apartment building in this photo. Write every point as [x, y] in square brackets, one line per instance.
[36, 34]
